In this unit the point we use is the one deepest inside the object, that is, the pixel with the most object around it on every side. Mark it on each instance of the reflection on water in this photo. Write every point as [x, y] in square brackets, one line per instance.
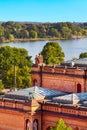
[72, 48]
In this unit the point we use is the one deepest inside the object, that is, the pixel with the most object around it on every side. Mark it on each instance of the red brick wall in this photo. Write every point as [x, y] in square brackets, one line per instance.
[14, 120]
[51, 120]
[11, 121]
[60, 79]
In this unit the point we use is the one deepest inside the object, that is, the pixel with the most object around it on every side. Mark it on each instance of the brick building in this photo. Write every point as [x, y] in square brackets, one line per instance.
[70, 76]
[63, 95]
[38, 108]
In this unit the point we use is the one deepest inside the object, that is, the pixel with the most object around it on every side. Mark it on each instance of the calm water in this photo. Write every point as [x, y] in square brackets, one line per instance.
[71, 48]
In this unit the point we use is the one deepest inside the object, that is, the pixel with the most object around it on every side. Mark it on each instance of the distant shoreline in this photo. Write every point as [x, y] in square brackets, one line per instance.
[32, 39]
[41, 39]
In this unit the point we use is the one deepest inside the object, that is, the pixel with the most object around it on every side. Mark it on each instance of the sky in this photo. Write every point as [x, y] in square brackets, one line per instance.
[43, 10]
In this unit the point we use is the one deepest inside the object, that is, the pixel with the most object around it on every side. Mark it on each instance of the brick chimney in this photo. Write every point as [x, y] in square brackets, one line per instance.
[39, 60]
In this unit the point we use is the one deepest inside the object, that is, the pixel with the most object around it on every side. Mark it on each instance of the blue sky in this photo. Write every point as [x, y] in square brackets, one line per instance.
[43, 10]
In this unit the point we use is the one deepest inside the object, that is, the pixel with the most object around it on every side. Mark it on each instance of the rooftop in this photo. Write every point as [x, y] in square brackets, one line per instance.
[82, 62]
[43, 94]
[74, 98]
[35, 92]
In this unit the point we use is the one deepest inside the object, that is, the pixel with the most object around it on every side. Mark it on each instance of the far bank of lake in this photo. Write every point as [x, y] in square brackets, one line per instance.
[72, 48]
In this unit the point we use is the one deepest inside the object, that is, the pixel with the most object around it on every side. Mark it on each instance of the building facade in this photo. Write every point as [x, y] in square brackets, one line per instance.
[38, 108]
[58, 92]
[66, 77]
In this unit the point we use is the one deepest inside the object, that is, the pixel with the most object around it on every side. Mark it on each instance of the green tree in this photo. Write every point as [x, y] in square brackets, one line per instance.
[66, 32]
[23, 78]
[24, 34]
[11, 37]
[2, 39]
[52, 53]
[61, 126]
[1, 31]
[83, 55]
[33, 34]
[42, 31]
[54, 32]
[34, 27]
[1, 86]
[11, 58]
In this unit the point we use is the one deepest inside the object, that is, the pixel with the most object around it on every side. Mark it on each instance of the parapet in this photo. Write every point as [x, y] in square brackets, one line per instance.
[62, 70]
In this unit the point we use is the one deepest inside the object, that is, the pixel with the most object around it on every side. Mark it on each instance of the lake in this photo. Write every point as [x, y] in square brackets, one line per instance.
[72, 48]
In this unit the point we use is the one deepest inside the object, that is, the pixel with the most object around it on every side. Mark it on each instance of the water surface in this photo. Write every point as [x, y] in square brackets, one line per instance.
[72, 48]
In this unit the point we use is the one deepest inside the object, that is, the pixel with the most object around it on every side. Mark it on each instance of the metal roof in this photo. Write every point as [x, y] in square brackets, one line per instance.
[78, 62]
[35, 92]
[73, 98]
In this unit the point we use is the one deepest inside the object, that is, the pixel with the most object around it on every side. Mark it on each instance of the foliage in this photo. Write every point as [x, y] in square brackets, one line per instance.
[10, 31]
[61, 126]
[54, 33]
[1, 86]
[52, 53]
[66, 32]
[33, 34]
[15, 57]
[11, 37]
[83, 55]
[74, 58]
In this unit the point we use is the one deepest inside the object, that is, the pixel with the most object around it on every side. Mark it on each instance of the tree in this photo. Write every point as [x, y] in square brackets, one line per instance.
[52, 53]
[61, 126]
[23, 78]
[1, 86]
[42, 31]
[33, 34]
[11, 37]
[24, 34]
[83, 55]
[66, 32]
[2, 39]
[54, 33]
[1, 31]
[18, 58]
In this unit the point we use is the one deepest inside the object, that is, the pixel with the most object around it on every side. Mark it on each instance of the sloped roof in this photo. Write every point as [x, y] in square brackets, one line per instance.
[35, 92]
[79, 62]
[73, 98]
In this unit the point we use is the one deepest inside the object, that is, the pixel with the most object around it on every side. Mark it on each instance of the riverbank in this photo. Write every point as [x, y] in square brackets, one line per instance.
[36, 39]
[41, 39]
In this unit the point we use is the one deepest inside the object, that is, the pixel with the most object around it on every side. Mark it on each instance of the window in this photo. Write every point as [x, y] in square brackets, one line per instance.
[35, 83]
[35, 124]
[78, 88]
[27, 124]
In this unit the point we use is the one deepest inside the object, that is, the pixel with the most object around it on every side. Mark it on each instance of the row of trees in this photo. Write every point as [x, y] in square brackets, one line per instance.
[9, 31]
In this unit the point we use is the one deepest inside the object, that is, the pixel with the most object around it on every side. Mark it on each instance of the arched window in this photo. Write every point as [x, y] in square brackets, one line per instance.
[79, 88]
[27, 124]
[35, 124]
[35, 83]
